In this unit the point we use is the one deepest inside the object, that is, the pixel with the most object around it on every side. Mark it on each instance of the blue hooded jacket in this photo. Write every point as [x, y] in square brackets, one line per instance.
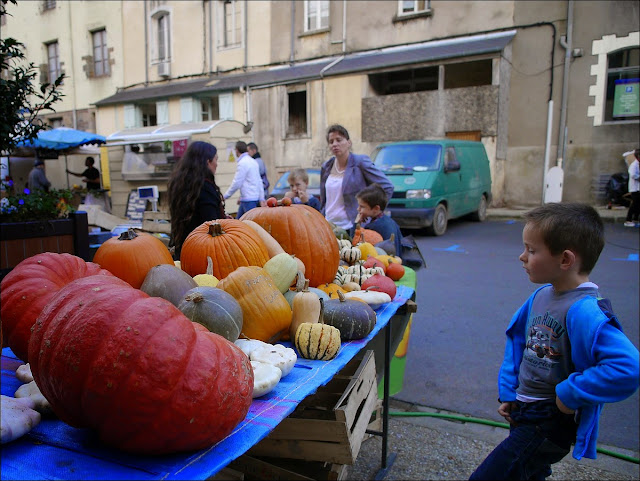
[605, 360]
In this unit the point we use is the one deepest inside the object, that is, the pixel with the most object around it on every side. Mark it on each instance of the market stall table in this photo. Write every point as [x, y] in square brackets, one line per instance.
[54, 449]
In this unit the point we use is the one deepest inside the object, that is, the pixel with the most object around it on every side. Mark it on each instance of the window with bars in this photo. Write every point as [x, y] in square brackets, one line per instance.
[230, 24]
[53, 62]
[100, 53]
[316, 15]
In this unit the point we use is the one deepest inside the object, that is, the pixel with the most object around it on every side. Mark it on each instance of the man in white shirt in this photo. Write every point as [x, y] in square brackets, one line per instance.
[248, 180]
[633, 214]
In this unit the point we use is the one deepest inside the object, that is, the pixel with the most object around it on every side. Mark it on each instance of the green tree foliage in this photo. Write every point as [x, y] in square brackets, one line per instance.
[20, 101]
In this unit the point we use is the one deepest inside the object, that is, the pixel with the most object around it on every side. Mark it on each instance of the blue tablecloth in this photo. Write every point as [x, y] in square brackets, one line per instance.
[55, 450]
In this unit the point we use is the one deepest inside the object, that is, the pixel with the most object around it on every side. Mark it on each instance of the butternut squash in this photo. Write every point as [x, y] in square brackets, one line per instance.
[306, 307]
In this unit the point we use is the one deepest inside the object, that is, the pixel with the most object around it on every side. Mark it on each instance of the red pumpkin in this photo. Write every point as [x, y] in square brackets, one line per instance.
[304, 232]
[27, 289]
[132, 255]
[365, 235]
[380, 283]
[230, 244]
[135, 369]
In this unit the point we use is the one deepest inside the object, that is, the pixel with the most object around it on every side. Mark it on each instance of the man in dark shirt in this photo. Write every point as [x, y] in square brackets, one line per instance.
[91, 175]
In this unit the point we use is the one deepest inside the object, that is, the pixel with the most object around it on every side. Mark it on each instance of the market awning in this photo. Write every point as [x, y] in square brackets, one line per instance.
[337, 65]
[62, 138]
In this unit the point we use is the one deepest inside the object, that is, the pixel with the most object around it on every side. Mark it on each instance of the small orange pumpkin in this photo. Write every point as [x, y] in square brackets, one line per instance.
[331, 289]
[229, 242]
[132, 255]
[365, 235]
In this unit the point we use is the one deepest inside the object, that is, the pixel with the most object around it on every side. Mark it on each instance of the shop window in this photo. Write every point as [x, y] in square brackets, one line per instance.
[623, 80]
[316, 15]
[405, 81]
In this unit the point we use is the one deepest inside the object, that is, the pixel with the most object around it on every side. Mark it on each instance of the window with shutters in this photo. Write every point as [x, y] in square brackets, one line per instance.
[160, 36]
[316, 15]
[100, 54]
[209, 109]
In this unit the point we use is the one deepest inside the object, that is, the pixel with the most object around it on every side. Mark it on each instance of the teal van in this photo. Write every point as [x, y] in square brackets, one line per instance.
[434, 181]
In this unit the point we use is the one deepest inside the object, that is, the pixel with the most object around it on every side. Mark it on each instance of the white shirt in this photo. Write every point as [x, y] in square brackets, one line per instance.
[247, 179]
[634, 176]
[334, 209]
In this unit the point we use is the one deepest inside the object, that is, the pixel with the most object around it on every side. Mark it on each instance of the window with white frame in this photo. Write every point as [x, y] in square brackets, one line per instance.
[230, 23]
[316, 15]
[53, 61]
[209, 109]
[616, 73]
[408, 7]
[623, 80]
[100, 53]
[160, 36]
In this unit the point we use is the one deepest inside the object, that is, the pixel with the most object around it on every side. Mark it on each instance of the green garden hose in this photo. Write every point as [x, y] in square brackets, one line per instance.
[468, 419]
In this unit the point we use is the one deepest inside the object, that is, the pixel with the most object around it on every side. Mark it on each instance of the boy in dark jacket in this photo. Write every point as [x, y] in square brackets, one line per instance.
[372, 201]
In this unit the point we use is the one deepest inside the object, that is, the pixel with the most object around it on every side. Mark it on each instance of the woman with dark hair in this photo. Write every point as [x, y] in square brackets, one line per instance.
[194, 197]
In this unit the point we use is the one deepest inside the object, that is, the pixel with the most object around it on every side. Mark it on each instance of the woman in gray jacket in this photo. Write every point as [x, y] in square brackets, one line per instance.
[343, 176]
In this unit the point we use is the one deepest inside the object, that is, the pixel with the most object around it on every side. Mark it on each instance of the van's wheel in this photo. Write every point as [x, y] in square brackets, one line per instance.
[439, 224]
[481, 214]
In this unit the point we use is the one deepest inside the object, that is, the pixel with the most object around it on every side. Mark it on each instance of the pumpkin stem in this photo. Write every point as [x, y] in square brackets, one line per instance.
[321, 316]
[306, 286]
[210, 265]
[392, 237]
[215, 229]
[341, 296]
[129, 234]
[300, 282]
[194, 297]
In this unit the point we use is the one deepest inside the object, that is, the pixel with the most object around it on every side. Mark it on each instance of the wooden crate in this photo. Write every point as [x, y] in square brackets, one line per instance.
[254, 468]
[158, 222]
[328, 426]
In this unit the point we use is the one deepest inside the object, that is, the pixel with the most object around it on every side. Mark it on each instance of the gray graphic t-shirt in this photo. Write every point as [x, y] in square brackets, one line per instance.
[547, 354]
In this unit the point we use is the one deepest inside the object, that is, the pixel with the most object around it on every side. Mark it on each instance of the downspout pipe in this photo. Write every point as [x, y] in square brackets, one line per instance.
[293, 24]
[146, 46]
[566, 44]
[245, 35]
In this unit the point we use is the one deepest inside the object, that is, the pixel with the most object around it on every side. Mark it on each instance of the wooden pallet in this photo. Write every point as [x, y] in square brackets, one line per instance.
[158, 222]
[324, 433]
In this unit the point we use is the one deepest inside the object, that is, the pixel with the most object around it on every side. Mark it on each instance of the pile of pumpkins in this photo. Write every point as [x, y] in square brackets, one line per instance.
[143, 349]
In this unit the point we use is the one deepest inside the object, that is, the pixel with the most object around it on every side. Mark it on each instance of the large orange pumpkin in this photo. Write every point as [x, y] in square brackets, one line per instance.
[266, 313]
[29, 287]
[304, 232]
[230, 244]
[132, 255]
[135, 369]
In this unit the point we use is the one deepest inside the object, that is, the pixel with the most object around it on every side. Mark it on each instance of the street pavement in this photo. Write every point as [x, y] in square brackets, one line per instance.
[428, 448]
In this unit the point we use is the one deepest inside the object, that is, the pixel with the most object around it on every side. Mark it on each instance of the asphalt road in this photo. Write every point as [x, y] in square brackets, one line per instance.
[466, 296]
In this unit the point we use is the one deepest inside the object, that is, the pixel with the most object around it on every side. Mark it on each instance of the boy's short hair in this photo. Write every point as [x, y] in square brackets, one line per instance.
[300, 174]
[570, 226]
[241, 146]
[373, 195]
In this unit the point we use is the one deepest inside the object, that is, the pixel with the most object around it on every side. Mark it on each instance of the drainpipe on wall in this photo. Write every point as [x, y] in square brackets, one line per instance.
[547, 147]
[204, 36]
[146, 46]
[245, 35]
[211, 40]
[73, 96]
[293, 24]
[562, 128]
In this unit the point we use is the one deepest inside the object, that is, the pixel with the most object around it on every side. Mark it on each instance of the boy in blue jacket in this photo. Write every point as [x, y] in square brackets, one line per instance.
[566, 354]
[372, 201]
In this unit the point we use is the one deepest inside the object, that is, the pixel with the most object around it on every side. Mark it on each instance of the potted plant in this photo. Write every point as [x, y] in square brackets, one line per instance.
[39, 221]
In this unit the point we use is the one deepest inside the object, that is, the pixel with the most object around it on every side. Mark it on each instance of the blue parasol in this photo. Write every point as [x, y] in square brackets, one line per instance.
[62, 139]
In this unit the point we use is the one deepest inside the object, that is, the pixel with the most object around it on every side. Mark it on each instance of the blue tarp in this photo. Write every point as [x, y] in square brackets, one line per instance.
[55, 450]
[62, 138]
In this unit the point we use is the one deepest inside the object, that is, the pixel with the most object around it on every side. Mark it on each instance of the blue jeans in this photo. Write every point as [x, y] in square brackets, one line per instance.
[539, 436]
[246, 205]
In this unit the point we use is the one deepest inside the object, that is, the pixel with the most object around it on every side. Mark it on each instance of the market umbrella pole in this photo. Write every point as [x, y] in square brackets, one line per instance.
[66, 168]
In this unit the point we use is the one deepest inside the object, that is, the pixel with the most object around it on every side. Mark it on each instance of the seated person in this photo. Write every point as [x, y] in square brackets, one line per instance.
[298, 181]
[372, 200]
